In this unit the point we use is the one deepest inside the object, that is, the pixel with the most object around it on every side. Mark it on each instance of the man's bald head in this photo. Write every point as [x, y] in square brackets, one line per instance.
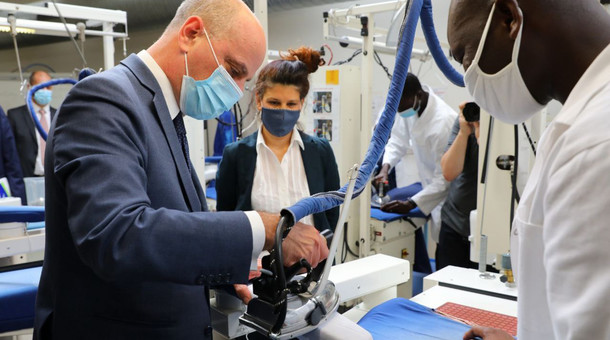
[219, 15]
[38, 77]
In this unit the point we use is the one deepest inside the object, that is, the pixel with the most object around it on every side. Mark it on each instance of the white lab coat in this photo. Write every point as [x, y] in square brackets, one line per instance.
[560, 242]
[427, 136]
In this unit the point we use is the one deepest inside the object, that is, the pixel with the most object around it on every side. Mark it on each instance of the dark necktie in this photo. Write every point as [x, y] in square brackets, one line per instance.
[181, 131]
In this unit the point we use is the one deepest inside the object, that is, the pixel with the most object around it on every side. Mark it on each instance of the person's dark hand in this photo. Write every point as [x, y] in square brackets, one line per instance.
[304, 242]
[382, 176]
[398, 207]
[487, 333]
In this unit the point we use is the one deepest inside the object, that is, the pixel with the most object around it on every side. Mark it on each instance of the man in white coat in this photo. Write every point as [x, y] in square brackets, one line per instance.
[424, 124]
[518, 55]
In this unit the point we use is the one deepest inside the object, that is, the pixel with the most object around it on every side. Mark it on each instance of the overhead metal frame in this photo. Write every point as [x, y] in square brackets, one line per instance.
[92, 17]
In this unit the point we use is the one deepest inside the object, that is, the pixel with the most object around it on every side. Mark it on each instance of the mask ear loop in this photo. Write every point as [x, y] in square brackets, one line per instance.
[186, 64]
[210, 43]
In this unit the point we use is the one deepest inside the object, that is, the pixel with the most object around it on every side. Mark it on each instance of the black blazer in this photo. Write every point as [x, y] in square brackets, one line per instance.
[25, 137]
[235, 175]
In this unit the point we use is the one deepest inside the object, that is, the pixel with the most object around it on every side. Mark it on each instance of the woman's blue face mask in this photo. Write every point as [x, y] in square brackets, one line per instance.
[208, 98]
[279, 122]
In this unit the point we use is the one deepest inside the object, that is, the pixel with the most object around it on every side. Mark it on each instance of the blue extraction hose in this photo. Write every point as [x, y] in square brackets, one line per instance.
[324, 201]
[33, 90]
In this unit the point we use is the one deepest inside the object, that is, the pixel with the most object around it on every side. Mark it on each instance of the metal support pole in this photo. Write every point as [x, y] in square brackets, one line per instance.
[108, 46]
[260, 11]
[365, 128]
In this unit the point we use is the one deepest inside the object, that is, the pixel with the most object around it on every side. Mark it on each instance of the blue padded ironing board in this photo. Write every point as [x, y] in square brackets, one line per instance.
[404, 319]
[18, 287]
[389, 217]
[17, 298]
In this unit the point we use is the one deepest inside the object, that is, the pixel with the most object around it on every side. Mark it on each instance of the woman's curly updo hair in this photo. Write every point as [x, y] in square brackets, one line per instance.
[293, 69]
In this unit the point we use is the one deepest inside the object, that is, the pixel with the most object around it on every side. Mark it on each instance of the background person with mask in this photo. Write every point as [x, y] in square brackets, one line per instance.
[130, 249]
[518, 55]
[424, 124]
[30, 145]
[277, 166]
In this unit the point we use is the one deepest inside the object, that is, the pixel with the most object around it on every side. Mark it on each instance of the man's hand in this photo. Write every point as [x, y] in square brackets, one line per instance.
[270, 221]
[382, 177]
[243, 293]
[487, 333]
[304, 242]
[398, 207]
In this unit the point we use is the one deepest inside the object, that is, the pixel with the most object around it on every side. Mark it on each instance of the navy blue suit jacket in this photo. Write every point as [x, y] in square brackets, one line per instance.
[235, 175]
[9, 163]
[26, 136]
[130, 250]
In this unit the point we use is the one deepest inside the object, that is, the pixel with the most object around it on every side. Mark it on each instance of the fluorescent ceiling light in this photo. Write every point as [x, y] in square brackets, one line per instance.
[38, 27]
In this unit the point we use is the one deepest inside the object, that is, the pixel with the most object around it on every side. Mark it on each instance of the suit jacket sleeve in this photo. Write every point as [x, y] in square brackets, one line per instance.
[101, 151]
[10, 159]
[226, 179]
[331, 180]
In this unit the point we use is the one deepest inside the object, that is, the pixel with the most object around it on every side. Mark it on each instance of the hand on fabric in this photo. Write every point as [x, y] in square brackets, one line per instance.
[304, 242]
[398, 207]
[487, 333]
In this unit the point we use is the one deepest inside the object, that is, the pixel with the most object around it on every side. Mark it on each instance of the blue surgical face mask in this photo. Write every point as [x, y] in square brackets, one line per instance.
[410, 112]
[279, 122]
[43, 97]
[209, 98]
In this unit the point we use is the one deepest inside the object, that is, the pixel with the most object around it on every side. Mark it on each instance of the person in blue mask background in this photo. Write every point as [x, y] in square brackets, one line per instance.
[278, 165]
[131, 250]
[30, 145]
[423, 124]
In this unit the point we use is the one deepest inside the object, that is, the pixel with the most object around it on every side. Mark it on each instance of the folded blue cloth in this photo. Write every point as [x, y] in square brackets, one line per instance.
[404, 319]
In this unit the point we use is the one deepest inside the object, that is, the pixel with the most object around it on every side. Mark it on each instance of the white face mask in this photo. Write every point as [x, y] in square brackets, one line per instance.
[504, 94]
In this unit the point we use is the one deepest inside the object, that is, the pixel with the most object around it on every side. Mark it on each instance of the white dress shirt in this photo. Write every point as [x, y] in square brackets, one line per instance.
[39, 167]
[279, 184]
[258, 228]
[560, 242]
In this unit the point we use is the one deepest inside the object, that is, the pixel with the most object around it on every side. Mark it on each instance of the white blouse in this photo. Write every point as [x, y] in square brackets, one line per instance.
[279, 185]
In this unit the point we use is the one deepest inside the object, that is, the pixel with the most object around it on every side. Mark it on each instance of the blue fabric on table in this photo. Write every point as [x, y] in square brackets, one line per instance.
[210, 192]
[404, 319]
[21, 214]
[403, 193]
[17, 298]
[389, 217]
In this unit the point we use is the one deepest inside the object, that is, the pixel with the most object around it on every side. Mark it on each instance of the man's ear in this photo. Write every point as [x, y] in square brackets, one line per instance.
[511, 15]
[191, 30]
